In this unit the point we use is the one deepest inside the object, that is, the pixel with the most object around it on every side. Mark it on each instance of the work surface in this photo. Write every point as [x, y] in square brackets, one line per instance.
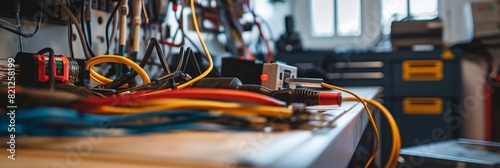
[333, 144]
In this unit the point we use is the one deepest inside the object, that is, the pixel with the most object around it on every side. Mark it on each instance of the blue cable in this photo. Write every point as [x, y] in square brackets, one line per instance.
[67, 122]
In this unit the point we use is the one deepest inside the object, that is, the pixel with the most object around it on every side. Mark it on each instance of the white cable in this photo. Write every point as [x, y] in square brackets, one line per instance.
[136, 23]
[123, 22]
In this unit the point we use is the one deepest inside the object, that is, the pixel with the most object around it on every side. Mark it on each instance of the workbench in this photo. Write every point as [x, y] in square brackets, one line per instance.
[330, 146]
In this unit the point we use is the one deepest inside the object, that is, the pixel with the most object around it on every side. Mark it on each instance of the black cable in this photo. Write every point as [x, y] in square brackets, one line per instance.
[89, 29]
[82, 91]
[167, 77]
[153, 44]
[194, 60]
[82, 19]
[187, 54]
[232, 49]
[190, 56]
[70, 38]
[180, 60]
[51, 66]
[23, 34]
[82, 25]
[159, 53]
[186, 36]
[170, 80]
[108, 23]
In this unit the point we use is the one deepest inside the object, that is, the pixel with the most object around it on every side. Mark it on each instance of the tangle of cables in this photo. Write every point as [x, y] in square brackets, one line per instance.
[133, 100]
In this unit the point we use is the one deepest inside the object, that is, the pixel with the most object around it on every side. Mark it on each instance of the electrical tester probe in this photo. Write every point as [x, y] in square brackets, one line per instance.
[298, 95]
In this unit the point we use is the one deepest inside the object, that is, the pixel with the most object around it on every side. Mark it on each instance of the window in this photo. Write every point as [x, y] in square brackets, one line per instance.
[395, 10]
[335, 18]
[337, 24]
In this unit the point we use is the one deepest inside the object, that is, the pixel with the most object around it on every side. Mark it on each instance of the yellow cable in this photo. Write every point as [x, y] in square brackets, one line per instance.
[396, 136]
[372, 121]
[395, 131]
[209, 57]
[205, 49]
[173, 104]
[101, 80]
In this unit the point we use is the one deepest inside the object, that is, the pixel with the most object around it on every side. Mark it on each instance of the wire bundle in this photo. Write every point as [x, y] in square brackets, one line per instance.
[67, 122]
[396, 139]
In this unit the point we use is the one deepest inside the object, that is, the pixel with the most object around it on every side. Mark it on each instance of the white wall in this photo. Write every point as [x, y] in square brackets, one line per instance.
[9, 44]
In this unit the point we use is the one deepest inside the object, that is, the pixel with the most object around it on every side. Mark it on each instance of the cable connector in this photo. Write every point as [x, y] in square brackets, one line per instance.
[299, 95]
[304, 82]
[175, 5]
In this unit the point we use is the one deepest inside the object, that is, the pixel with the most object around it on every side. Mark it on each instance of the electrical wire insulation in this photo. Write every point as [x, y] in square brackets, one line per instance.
[396, 136]
[367, 110]
[70, 39]
[67, 122]
[101, 80]
[39, 23]
[66, 10]
[9, 23]
[191, 104]
[207, 53]
[90, 104]
[108, 23]
[270, 53]
[153, 44]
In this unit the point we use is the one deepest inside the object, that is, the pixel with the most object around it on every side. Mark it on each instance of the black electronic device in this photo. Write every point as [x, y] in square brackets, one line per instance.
[417, 35]
[248, 72]
[290, 41]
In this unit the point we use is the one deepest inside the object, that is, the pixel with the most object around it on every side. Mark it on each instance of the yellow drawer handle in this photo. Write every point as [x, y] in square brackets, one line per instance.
[422, 70]
[423, 106]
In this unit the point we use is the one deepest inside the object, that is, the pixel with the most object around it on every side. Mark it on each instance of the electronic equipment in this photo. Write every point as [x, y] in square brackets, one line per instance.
[270, 75]
[288, 95]
[33, 70]
[486, 19]
[290, 41]
[247, 71]
[274, 74]
[412, 35]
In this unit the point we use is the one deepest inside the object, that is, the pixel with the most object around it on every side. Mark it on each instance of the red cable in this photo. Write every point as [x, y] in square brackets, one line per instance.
[171, 44]
[249, 53]
[89, 104]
